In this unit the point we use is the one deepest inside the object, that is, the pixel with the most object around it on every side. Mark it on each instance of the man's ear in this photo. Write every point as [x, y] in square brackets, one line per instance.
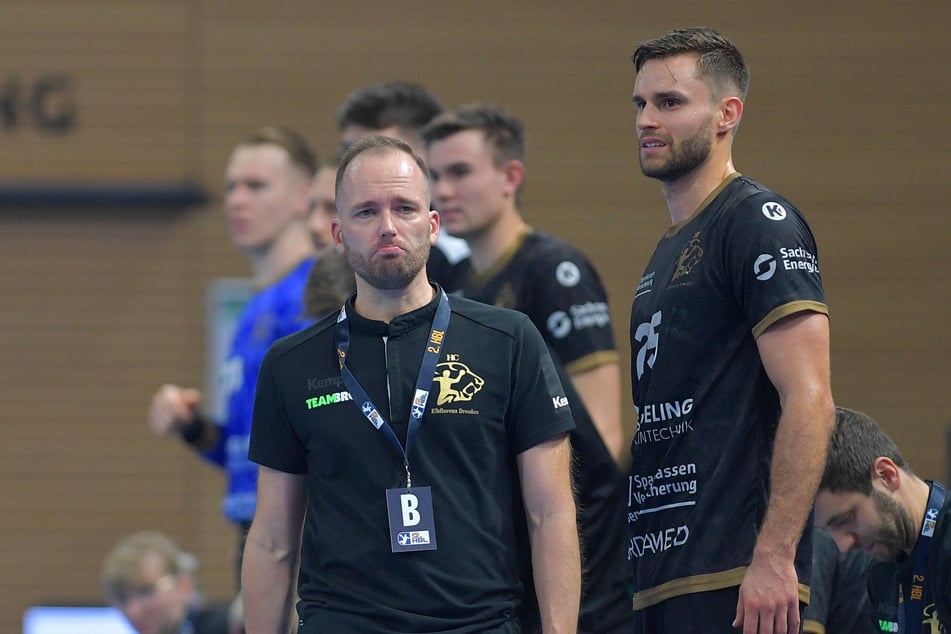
[336, 233]
[886, 473]
[731, 111]
[434, 221]
[514, 171]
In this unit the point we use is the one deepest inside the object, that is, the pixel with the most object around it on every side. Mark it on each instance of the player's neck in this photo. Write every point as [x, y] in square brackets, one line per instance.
[685, 195]
[386, 304]
[272, 263]
[488, 247]
[915, 500]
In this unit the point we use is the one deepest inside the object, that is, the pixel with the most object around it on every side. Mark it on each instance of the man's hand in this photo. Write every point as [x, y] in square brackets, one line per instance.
[769, 596]
[172, 408]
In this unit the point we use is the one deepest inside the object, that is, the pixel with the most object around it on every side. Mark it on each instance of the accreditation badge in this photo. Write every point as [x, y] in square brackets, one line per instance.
[412, 525]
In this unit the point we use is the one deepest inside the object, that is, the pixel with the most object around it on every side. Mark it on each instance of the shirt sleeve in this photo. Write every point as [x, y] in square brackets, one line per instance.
[772, 261]
[540, 409]
[570, 305]
[274, 441]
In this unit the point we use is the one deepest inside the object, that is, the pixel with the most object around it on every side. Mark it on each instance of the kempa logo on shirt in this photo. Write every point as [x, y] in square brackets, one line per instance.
[328, 399]
[567, 273]
[774, 211]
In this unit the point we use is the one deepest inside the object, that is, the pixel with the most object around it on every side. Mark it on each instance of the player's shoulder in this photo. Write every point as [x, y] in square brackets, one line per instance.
[753, 201]
[549, 259]
[541, 246]
[302, 338]
[479, 314]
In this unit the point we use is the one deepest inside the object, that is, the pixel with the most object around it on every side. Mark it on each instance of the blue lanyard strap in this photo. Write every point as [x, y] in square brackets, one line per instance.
[424, 380]
[909, 618]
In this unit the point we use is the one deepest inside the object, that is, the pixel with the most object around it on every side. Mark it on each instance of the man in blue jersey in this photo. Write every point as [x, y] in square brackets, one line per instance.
[730, 364]
[268, 197]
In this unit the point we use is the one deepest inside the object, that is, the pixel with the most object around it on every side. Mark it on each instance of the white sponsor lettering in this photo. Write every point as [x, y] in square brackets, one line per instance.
[590, 314]
[668, 410]
[661, 434]
[658, 541]
[799, 259]
[645, 285]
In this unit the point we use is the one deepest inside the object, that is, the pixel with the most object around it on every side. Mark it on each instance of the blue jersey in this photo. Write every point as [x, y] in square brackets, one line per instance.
[271, 313]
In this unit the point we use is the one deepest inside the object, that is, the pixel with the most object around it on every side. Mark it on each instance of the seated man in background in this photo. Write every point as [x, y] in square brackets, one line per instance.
[870, 499]
[150, 580]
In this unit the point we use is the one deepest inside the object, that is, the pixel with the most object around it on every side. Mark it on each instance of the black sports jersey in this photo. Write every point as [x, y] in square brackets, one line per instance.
[885, 577]
[838, 597]
[559, 289]
[707, 412]
[495, 394]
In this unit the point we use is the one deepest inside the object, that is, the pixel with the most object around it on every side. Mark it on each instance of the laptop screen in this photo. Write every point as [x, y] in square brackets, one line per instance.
[46, 619]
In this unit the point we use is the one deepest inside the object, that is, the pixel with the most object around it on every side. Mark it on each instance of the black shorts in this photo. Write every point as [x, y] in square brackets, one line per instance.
[710, 612]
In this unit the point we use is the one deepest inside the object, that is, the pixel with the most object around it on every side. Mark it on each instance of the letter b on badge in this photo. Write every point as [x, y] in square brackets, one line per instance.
[410, 515]
[409, 505]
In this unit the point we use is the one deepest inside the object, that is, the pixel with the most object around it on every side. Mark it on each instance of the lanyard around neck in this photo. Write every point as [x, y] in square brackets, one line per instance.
[424, 380]
[909, 618]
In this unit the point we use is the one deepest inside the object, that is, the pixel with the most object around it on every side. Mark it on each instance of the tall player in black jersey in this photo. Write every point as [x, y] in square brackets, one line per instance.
[476, 157]
[730, 364]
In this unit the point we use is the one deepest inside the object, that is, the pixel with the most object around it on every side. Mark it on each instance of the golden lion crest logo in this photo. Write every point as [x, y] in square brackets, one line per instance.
[457, 383]
[689, 257]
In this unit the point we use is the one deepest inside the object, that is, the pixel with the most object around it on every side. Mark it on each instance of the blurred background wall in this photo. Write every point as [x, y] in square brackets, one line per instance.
[102, 300]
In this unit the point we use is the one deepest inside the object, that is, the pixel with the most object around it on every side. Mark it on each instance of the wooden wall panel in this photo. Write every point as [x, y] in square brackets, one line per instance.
[125, 70]
[845, 117]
